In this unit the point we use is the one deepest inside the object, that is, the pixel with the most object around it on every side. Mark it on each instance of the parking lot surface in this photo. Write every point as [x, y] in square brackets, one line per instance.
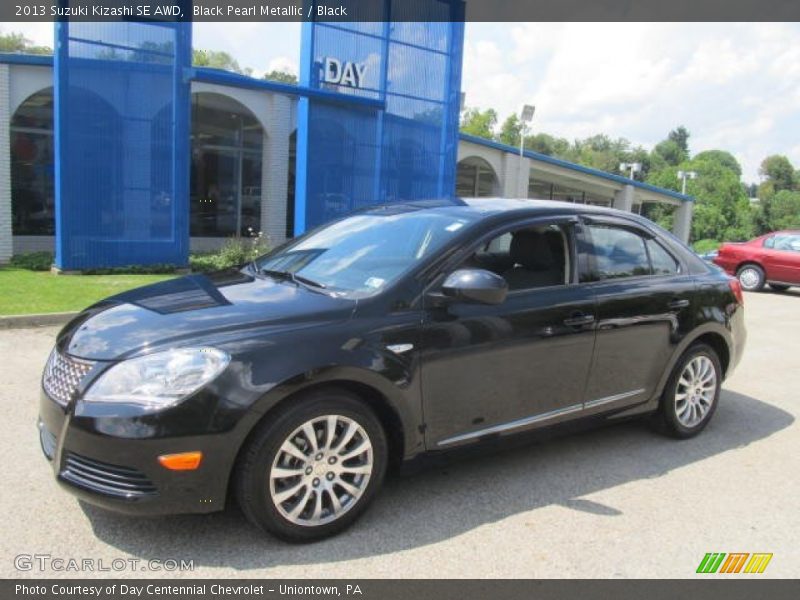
[613, 502]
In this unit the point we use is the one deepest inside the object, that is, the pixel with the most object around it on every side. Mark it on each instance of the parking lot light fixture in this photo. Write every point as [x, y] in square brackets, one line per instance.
[525, 118]
[633, 167]
[683, 176]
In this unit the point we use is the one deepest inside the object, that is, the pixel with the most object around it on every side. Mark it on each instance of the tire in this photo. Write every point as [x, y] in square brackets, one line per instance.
[751, 277]
[778, 287]
[683, 413]
[270, 467]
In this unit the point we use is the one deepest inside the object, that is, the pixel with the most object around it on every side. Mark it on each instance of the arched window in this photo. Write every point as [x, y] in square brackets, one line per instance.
[475, 178]
[227, 149]
[32, 172]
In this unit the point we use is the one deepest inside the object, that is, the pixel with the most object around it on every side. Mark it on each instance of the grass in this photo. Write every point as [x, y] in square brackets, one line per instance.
[31, 292]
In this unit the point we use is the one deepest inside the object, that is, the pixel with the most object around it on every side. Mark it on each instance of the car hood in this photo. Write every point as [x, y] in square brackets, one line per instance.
[198, 309]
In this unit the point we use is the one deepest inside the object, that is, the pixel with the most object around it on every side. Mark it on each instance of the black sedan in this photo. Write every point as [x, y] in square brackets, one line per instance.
[403, 330]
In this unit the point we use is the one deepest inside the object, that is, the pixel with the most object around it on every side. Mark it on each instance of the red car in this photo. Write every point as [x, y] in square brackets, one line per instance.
[772, 259]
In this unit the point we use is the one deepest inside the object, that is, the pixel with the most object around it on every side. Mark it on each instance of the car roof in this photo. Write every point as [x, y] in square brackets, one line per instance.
[479, 208]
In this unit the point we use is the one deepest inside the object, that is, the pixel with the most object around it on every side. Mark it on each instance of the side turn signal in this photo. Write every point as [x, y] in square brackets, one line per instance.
[184, 461]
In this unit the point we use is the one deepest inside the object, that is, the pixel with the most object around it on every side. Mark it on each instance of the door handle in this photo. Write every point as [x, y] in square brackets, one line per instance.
[579, 320]
[678, 303]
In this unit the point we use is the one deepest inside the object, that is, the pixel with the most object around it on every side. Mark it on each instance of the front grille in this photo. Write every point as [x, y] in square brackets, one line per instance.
[103, 478]
[62, 375]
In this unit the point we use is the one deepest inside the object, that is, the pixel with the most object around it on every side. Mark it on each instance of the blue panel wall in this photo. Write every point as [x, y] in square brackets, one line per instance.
[122, 144]
[350, 156]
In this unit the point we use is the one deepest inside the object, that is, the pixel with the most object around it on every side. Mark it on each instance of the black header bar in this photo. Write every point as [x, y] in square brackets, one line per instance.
[367, 10]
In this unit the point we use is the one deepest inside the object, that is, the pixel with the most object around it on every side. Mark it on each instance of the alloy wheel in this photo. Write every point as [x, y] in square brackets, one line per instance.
[696, 391]
[321, 470]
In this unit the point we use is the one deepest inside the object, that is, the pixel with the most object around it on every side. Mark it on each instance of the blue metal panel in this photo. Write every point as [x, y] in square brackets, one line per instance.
[122, 144]
[352, 155]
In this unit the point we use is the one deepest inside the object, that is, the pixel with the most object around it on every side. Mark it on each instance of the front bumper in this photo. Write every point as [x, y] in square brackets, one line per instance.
[122, 473]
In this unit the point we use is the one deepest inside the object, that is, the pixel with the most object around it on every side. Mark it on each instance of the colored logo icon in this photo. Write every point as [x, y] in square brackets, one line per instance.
[734, 562]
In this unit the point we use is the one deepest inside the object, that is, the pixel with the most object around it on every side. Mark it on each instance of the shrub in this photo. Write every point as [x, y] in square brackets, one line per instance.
[703, 246]
[33, 261]
[234, 252]
[156, 269]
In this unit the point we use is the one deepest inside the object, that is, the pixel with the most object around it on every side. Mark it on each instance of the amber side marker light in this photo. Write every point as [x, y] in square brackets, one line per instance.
[184, 461]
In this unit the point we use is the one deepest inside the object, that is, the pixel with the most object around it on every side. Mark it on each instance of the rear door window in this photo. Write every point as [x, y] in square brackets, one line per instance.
[614, 253]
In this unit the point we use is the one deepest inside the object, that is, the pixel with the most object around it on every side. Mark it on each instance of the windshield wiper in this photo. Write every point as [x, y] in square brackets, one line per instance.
[293, 277]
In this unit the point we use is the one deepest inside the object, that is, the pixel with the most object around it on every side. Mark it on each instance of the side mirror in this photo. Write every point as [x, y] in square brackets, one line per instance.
[475, 285]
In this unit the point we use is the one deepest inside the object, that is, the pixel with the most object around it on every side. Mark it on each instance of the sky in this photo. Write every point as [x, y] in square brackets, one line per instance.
[734, 86]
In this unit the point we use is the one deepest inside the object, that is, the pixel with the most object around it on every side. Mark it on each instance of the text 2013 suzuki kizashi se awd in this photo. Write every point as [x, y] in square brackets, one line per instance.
[401, 330]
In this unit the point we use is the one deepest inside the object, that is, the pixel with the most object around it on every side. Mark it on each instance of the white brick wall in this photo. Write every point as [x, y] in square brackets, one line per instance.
[275, 170]
[514, 178]
[5, 168]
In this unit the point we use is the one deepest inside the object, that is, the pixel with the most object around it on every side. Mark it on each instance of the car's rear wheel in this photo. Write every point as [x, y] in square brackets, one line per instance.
[691, 394]
[751, 277]
[779, 287]
[311, 471]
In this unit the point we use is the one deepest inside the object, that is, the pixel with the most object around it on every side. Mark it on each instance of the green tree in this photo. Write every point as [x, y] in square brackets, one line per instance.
[18, 43]
[601, 152]
[784, 211]
[778, 174]
[722, 157]
[544, 143]
[680, 135]
[510, 130]
[281, 76]
[722, 209]
[217, 59]
[479, 123]
[670, 152]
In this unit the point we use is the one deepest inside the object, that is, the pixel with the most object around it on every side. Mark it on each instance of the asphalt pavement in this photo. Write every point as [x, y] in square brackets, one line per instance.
[619, 501]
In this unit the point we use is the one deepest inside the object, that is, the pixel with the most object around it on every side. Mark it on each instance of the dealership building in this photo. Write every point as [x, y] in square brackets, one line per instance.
[257, 155]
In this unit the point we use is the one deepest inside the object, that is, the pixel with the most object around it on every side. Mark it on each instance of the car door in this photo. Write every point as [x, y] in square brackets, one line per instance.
[644, 307]
[782, 258]
[493, 369]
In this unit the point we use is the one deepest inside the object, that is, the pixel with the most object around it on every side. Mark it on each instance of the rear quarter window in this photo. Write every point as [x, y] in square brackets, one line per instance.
[662, 262]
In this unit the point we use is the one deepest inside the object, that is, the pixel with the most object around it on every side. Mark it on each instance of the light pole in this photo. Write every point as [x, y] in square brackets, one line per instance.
[634, 167]
[683, 176]
[526, 116]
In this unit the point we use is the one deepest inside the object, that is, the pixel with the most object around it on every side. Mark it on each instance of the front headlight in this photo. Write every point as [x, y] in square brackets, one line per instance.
[158, 380]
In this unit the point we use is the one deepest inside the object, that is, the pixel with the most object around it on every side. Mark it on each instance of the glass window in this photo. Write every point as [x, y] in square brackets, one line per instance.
[541, 190]
[663, 262]
[226, 172]
[475, 178]
[527, 258]
[614, 253]
[363, 254]
[32, 170]
[566, 194]
[785, 242]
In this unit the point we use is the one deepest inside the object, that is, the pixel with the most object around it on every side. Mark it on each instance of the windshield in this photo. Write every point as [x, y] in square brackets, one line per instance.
[365, 253]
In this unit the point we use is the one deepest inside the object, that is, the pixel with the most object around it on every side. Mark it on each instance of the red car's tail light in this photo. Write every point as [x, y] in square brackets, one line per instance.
[736, 288]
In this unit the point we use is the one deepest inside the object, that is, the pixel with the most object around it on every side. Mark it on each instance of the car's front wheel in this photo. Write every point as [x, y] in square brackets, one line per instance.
[691, 394]
[751, 277]
[312, 469]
